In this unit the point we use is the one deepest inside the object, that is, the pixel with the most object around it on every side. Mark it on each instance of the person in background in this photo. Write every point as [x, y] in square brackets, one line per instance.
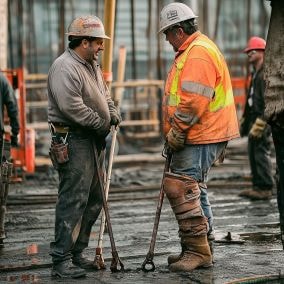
[254, 125]
[8, 101]
[199, 118]
[80, 114]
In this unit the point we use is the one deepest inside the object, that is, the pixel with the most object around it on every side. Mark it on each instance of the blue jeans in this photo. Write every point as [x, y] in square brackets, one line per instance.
[195, 161]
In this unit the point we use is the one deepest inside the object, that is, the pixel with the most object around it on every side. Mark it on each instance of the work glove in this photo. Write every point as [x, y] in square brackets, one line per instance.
[103, 130]
[175, 139]
[115, 119]
[14, 141]
[257, 128]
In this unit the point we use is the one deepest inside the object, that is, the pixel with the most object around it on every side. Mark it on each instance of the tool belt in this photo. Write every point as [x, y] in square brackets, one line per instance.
[65, 129]
[61, 129]
[58, 151]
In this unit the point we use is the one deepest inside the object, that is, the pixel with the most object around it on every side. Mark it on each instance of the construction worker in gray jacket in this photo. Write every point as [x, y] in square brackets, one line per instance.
[80, 114]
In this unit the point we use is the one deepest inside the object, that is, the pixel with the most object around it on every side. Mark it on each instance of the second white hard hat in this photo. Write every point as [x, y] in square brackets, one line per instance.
[173, 14]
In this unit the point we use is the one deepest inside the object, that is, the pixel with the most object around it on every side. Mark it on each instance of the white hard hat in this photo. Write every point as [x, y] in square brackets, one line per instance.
[90, 26]
[173, 14]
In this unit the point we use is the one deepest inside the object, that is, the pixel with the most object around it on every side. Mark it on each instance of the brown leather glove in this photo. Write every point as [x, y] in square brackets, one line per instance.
[175, 139]
[257, 128]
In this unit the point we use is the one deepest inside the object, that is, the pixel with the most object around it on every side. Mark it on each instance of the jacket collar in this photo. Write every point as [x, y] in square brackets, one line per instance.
[80, 59]
[188, 41]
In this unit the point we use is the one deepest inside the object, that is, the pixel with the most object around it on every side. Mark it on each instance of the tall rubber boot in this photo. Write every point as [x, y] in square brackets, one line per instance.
[197, 254]
[184, 196]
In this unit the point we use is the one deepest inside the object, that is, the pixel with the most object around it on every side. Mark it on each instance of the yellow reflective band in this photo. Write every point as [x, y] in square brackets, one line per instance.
[174, 100]
[174, 97]
[213, 51]
[221, 99]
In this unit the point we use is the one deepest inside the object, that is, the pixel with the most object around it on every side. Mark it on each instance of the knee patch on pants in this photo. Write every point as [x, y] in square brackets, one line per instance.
[184, 195]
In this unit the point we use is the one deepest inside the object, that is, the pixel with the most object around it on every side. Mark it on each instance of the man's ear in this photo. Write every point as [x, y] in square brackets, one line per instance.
[180, 33]
[85, 43]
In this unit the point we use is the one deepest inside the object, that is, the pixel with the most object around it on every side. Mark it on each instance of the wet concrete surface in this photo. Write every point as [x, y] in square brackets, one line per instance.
[255, 247]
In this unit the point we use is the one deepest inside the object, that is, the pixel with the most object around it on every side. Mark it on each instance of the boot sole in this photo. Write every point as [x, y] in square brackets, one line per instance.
[88, 267]
[206, 265]
[56, 274]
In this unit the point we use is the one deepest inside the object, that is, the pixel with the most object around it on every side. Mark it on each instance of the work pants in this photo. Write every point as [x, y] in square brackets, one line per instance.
[260, 163]
[278, 139]
[195, 161]
[79, 198]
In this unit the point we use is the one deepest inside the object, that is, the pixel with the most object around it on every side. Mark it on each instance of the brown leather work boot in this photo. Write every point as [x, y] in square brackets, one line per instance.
[256, 194]
[197, 254]
[176, 257]
[245, 193]
[261, 195]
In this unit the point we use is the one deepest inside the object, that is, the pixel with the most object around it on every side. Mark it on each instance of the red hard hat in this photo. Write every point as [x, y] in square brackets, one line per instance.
[255, 43]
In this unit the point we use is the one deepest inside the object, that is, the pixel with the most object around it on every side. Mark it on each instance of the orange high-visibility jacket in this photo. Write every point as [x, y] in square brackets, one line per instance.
[198, 97]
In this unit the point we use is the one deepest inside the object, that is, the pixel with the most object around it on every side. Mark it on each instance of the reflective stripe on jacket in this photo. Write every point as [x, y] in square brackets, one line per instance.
[198, 95]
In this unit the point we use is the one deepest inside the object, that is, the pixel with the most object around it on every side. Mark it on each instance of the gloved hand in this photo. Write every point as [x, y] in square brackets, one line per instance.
[257, 128]
[115, 119]
[14, 141]
[103, 130]
[175, 139]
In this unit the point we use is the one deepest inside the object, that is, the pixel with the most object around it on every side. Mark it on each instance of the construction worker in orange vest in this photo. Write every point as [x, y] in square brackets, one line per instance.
[255, 127]
[199, 118]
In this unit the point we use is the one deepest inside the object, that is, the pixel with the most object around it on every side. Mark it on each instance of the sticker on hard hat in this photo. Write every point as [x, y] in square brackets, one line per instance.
[91, 25]
[172, 15]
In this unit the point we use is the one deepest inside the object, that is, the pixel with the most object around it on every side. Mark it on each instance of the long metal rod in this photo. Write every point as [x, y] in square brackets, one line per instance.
[115, 258]
[148, 264]
[99, 260]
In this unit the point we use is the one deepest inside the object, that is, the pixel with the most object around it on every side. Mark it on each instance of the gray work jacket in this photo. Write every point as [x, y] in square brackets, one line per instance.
[77, 94]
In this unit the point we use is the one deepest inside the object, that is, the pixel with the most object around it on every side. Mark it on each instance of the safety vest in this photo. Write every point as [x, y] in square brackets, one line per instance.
[205, 112]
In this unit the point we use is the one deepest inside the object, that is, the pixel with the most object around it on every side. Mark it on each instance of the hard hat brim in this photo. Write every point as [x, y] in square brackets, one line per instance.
[248, 49]
[174, 24]
[101, 36]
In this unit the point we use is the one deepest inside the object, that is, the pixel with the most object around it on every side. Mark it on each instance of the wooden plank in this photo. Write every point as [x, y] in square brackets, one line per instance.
[35, 76]
[126, 123]
[138, 83]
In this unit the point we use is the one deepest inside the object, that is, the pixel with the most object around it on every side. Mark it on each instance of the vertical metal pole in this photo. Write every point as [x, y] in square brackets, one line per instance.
[4, 33]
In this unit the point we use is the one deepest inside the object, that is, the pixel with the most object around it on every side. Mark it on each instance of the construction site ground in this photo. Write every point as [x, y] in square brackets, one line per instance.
[247, 248]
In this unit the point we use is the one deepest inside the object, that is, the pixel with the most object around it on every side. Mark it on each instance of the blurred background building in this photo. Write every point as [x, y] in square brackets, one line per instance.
[32, 35]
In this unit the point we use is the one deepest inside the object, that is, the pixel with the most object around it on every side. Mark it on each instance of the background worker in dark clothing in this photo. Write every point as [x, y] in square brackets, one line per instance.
[8, 101]
[274, 96]
[80, 114]
[254, 125]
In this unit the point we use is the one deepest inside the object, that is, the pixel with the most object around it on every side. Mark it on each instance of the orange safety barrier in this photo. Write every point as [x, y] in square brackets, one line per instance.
[240, 86]
[30, 150]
